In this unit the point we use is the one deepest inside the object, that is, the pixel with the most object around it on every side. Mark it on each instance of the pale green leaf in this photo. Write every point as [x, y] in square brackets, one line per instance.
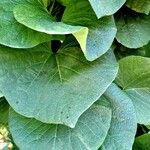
[123, 124]
[141, 6]
[12, 33]
[133, 30]
[38, 18]
[101, 32]
[106, 7]
[134, 78]
[63, 85]
[88, 134]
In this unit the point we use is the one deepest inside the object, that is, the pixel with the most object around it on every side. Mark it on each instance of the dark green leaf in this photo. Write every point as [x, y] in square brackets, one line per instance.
[141, 6]
[142, 142]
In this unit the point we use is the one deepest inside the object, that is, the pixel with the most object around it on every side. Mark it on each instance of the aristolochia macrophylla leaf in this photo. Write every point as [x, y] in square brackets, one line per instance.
[12, 33]
[63, 85]
[38, 18]
[106, 7]
[101, 32]
[141, 6]
[133, 29]
[88, 134]
[134, 78]
[123, 124]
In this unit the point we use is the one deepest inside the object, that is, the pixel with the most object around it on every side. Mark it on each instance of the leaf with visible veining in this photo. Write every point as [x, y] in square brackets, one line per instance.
[36, 82]
[134, 78]
[88, 134]
[123, 124]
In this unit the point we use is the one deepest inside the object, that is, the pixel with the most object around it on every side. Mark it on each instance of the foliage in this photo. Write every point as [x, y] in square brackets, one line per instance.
[75, 74]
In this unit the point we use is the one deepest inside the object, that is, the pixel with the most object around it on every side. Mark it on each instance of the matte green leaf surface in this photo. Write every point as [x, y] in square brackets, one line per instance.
[38, 18]
[106, 7]
[123, 124]
[101, 32]
[12, 33]
[134, 78]
[142, 142]
[88, 134]
[133, 30]
[141, 6]
[63, 85]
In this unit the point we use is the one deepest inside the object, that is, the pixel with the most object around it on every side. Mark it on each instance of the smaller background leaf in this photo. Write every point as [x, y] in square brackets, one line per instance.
[141, 6]
[142, 142]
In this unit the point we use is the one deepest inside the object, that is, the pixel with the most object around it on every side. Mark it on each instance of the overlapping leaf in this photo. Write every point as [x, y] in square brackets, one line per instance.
[133, 30]
[89, 133]
[106, 7]
[134, 78]
[38, 18]
[101, 32]
[142, 6]
[63, 85]
[12, 33]
[123, 124]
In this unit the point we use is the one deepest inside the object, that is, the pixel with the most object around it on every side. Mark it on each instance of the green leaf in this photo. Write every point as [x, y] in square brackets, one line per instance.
[142, 142]
[134, 78]
[4, 108]
[141, 6]
[123, 124]
[12, 33]
[133, 30]
[64, 85]
[146, 50]
[106, 7]
[38, 18]
[88, 134]
[101, 32]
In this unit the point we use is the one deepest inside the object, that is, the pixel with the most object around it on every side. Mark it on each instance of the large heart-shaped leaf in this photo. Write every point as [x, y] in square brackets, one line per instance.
[38, 18]
[142, 6]
[63, 85]
[134, 78]
[123, 123]
[14, 34]
[101, 32]
[106, 7]
[133, 29]
[88, 134]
